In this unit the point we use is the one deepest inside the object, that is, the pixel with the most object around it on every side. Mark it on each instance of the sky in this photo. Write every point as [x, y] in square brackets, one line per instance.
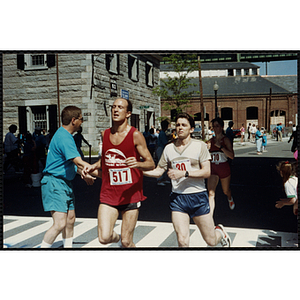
[287, 67]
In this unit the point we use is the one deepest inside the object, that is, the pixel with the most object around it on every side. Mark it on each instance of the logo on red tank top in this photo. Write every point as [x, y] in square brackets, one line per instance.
[114, 158]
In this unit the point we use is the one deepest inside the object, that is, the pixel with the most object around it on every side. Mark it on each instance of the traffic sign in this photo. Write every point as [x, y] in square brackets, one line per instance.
[125, 94]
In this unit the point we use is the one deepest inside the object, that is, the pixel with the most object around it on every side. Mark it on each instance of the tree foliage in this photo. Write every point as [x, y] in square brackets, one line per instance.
[173, 89]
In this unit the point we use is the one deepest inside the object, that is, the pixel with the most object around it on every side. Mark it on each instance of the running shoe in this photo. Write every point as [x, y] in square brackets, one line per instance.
[231, 203]
[225, 240]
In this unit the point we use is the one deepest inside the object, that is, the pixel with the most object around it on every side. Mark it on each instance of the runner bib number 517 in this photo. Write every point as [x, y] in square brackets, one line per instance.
[120, 176]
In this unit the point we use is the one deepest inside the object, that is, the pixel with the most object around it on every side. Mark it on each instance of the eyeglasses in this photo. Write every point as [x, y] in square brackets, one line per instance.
[80, 119]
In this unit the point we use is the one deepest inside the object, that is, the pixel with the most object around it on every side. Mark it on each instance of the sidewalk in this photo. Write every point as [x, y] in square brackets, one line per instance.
[237, 144]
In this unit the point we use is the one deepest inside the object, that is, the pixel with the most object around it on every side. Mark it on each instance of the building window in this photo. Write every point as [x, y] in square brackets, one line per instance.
[149, 74]
[31, 117]
[230, 72]
[35, 61]
[133, 68]
[246, 72]
[112, 63]
[252, 113]
[238, 72]
[254, 72]
[226, 113]
[39, 117]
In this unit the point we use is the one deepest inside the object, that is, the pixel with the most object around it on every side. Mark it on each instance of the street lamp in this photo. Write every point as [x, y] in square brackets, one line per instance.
[216, 87]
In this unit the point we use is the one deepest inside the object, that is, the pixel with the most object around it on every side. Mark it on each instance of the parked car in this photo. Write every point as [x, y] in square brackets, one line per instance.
[237, 133]
[197, 134]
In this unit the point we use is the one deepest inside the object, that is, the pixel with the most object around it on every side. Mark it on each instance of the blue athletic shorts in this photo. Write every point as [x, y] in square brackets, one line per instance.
[57, 194]
[193, 204]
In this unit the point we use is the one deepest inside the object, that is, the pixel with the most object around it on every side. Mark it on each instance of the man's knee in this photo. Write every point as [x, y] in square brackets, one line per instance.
[127, 243]
[71, 219]
[211, 193]
[226, 191]
[105, 238]
[183, 241]
[59, 225]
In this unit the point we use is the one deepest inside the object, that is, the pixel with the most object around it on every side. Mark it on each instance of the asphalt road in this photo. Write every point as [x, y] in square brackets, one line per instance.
[255, 184]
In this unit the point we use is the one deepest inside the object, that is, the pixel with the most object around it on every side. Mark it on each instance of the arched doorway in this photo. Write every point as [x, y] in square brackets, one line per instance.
[226, 115]
[252, 115]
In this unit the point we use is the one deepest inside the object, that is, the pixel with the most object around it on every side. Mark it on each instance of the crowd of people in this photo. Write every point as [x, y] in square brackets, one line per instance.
[193, 167]
[25, 152]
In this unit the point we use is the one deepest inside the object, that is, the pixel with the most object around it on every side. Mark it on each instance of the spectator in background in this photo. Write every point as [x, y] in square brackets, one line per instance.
[253, 132]
[258, 140]
[162, 141]
[210, 133]
[12, 149]
[294, 138]
[49, 138]
[146, 135]
[229, 132]
[230, 135]
[249, 131]
[152, 143]
[157, 132]
[40, 141]
[173, 135]
[29, 160]
[264, 141]
[242, 129]
[78, 138]
[279, 130]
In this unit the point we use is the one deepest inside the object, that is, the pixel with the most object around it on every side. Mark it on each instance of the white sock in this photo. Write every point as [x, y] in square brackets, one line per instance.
[68, 242]
[45, 245]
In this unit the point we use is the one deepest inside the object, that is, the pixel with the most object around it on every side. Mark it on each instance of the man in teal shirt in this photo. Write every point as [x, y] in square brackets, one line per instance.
[63, 162]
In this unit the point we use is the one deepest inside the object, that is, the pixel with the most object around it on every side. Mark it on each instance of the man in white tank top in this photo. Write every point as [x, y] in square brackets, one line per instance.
[188, 164]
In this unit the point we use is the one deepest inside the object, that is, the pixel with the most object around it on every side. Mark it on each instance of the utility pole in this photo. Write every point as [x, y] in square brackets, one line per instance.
[201, 98]
[270, 109]
[57, 83]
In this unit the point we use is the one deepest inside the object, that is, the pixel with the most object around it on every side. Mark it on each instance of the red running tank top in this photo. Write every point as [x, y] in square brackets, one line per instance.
[120, 184]
[214, 148]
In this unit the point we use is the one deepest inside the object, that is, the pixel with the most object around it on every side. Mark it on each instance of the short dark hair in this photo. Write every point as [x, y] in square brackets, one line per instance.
[188, 117]
[13, 127]
[68, 113]
[164, 125]
[218, 120]
[129, 103]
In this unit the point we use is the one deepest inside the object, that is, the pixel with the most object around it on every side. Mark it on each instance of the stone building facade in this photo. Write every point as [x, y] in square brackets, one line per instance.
[37, 86]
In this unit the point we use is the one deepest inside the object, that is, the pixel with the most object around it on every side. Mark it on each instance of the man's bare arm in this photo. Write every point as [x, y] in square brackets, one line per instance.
[140, 144]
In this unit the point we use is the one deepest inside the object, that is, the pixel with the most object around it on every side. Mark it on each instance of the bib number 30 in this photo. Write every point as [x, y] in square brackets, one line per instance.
[120, 176]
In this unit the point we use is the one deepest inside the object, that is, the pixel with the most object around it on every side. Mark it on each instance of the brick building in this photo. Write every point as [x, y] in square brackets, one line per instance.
[37, 86]
[243, 95]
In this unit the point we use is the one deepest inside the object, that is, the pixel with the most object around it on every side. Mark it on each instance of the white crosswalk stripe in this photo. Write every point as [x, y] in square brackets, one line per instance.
[28, 232]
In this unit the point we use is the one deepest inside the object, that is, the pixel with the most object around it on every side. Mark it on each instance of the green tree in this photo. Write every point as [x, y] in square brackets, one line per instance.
[174, 89]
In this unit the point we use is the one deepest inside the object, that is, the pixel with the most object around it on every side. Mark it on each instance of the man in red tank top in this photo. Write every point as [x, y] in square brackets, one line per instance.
[122, 178]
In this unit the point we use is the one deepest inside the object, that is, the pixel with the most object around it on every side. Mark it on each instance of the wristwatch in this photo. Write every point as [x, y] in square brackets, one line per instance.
[186, 174]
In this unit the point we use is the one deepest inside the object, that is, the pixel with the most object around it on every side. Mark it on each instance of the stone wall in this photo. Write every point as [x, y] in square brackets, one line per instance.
[23, 88]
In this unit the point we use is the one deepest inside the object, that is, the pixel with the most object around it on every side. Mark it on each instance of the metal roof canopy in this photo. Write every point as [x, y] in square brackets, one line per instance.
[234, 56]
